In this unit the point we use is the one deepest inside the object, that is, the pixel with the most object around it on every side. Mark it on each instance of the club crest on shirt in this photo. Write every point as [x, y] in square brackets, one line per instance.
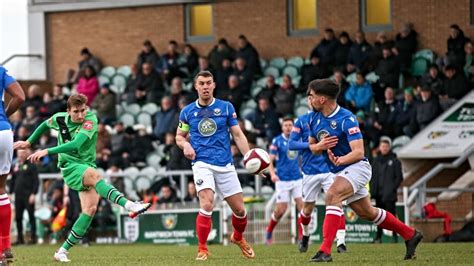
[207, 127]
[217, 111]
[322, 134]
[333, 124]
[292, 154]
[88, 125]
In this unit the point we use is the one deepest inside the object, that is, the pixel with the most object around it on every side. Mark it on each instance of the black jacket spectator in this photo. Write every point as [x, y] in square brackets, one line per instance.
[220, 52]
[222, 74]
[233, 93]
[342, 50]
[359, 53]
[269, 91]
[312, 71]
[388, 69]
[250, 54]
[189, 59]
[244, 73]
[150, 82]
[149, 55]
[427, 109]
[455, 44]
[404, 111]
[326, 49]
[285, 98]
[456, 85]
[433, 79]
[386, 177]
[265, 120]
[405, 45]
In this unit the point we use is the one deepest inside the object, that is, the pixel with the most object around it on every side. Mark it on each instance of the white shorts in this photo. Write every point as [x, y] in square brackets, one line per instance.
[223, 180]
[6, 151]
[358, 174]
[288, 189]
[312, 185]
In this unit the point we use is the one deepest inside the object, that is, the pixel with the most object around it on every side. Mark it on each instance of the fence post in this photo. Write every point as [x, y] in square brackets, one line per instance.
[405, 206]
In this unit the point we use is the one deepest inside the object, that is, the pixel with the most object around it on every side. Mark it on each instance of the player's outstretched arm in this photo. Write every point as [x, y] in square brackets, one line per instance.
[73, 145]
[18, 98]
[240, 139]
[182, 140]
[39, 131]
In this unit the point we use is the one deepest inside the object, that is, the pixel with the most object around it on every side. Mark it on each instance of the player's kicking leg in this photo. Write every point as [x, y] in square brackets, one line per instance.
[239, 222]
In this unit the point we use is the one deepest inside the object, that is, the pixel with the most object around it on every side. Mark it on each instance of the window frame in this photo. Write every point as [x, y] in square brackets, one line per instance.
[374, 28]
[187, 25]
[290, 20]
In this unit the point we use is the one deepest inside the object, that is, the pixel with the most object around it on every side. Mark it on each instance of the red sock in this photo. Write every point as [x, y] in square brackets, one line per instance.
[271, 225]
[386, 220]
[203, 228]
[342, 223]
[5, 221]
[304, 222]
[330, 226]
[239, 224]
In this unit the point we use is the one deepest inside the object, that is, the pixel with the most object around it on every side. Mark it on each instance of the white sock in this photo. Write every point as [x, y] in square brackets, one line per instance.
[62, 250]
[305, 230]
[341, 237]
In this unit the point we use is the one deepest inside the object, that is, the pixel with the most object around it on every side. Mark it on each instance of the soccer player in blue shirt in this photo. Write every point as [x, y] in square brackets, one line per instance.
[287, 177]
[316, 175]
[9, 85]
[209, 122]
[335, 133]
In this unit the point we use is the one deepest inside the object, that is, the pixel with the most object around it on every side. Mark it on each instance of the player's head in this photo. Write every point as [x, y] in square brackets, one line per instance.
[322, 92]
[287, 125]
[204, 84]
[77, 108]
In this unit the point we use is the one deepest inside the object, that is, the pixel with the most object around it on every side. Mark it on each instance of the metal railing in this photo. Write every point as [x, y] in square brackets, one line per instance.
[20, 55]
[417, 191]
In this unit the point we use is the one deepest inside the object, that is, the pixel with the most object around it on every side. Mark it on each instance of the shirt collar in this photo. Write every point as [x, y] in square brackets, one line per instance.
[335, 111]
[199, 106]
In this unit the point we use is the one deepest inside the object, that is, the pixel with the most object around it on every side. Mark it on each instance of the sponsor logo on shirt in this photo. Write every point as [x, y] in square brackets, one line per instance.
[88, 125]
[354, 130]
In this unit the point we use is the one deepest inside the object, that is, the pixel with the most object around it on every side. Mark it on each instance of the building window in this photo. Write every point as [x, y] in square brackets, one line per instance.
[302, 17]
[376, 15]
[199, 22]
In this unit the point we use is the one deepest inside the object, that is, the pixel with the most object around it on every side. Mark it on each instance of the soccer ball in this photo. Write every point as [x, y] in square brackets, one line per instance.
[256, 161]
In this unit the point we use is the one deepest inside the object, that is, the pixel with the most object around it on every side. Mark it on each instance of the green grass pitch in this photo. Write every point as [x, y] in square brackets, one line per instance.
[142, 254]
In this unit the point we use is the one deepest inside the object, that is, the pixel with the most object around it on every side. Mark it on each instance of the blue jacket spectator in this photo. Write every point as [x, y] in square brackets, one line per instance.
[164, 119]
[359, 95]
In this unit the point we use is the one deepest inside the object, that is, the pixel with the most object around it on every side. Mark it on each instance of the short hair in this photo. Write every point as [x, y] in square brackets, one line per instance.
[173, 42]
[325, 87]
[76, 100]
[203, 73]
[287, 118]
[85, 51]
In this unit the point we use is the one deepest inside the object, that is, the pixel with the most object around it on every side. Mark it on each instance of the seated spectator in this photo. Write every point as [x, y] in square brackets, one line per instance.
[223, 74]
[177, 92]
[342, 50]
[265, 120]
[203, 65]
[171, 62]
[174, 159]
[222, 50]
[31, 120]
[150, 87]
[88, 84]
[404, 111]
[58, 100]
[167, 195]
[233, 94]
[405, 46]
[340, 80]
[132, 82]
[359, 54]
[88, 59]
[326, 49]
[243, 72]
[164, 119]
[248, 52]
[454, 87]
[191, 195]
[285, 97]
[33, 97]
[427, 109]
[359, 95]
[138, 145]
[314, 70]
[269, 90]
[149, 55]
[104, 104]
[433, 79]
[189, 59]
[388, 70]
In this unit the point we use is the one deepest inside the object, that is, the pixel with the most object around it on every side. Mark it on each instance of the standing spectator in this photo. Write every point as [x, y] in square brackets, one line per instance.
[31, 119]
[88, 84]
[285, 98]
[427, 109]
[314, 70]
[164, 119]
[150, 86]
[149, 55]
[454, 87]
[265, 120]
[342, 50]
[433, 79]
[404, 111]
[177, 92]
[386, 178]
[359, 54]
[244, 73]
[405, 46]
[269, 91]
[376, 55]
[233, 93]
[88, 59]
[189, 59]
[223, 73]
[326, 49]
[171, 62]
[132, 84]
[456, 55]
[24, 186]
[220, 52]
[359, 95]
[250, 54]
[104, 103]
[388, 69]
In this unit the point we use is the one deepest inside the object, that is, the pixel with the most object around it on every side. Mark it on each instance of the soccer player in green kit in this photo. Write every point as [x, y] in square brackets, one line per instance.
[77, 138]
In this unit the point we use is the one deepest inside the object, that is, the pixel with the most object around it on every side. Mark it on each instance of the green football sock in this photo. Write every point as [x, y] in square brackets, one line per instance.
[79, 229]
[109, 192]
